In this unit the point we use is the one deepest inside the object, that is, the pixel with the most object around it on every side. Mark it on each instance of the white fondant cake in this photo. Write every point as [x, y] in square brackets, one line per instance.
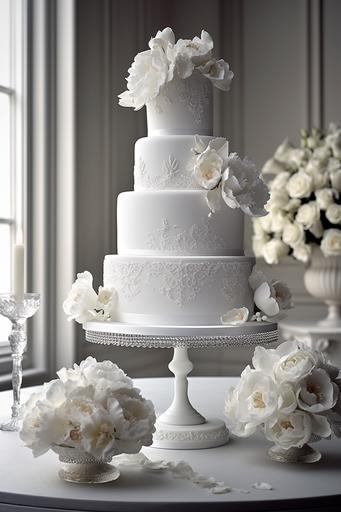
[180, 254]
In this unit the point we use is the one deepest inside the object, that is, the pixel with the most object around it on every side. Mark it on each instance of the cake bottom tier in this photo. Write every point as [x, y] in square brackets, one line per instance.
[178, 290]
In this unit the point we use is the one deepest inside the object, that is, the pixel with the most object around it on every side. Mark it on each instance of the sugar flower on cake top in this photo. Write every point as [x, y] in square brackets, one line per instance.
[167, 59]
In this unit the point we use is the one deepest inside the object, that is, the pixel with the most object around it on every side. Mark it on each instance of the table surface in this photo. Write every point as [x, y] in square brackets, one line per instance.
[28, 484]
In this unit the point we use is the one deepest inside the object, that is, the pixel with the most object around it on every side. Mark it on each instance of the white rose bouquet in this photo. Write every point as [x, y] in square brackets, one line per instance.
[93, 407]
[305, 202]
[291, 394]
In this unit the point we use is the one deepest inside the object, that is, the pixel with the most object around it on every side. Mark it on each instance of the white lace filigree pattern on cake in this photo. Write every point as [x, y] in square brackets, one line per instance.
[180, 281]
[173, 239]
[173, 175]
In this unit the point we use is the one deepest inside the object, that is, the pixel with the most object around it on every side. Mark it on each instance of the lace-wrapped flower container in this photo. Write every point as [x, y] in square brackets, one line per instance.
[81, 467]
[182, 107]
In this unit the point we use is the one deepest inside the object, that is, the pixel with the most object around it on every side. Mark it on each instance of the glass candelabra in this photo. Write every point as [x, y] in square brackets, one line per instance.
[17, 312]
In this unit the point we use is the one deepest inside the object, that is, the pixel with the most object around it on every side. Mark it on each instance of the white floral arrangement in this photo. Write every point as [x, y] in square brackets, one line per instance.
[167, 59]
[271, 297]
[83, 304]
[305, 203]
[228, 179]
[291, 394]
[93, 407]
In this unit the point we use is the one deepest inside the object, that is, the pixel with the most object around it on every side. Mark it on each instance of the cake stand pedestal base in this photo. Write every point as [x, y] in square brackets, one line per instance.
[210, 434]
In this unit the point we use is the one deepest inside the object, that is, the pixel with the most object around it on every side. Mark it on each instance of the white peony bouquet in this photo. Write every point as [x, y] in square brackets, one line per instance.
[83, 304]
[291, 394]
[93, 407]
[305, 203]
[167, 59]
[227, 178]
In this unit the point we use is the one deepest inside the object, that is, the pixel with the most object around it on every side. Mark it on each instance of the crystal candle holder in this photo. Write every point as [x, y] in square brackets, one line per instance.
[17, 312]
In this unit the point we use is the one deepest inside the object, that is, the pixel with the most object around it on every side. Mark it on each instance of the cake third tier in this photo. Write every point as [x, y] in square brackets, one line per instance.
[178, 290]
[176, 223]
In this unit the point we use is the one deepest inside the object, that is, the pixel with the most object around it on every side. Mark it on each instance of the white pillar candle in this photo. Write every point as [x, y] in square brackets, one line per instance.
[18, 271]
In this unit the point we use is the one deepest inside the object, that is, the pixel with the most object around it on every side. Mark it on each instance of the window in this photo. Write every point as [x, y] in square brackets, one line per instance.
[12, 161]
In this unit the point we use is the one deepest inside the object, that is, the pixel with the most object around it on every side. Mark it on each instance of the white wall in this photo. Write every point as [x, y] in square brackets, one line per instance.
[285, 55]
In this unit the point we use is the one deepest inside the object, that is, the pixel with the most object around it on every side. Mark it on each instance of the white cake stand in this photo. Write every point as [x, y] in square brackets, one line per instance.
[181, 426]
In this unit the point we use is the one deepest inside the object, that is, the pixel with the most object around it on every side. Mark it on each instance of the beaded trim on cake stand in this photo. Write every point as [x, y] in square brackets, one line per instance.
[181, 426]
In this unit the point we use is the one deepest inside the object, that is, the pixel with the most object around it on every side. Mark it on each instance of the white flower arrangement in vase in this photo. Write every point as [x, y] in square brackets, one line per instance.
[304, 218]
[292, 395]
[91, 410]
[305, 203]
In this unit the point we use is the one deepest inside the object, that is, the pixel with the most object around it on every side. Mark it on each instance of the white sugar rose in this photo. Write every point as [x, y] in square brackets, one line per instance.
[317, 393]
[333, 213]
[218, 72]
[243, 188]
[274, 250]
[300, 185]
[324, 197]
[302, 252]
[308, 214]
[208, 169]
[293, 234]
[148, 73]
[331, 242]
[335, 178]
[81, 301]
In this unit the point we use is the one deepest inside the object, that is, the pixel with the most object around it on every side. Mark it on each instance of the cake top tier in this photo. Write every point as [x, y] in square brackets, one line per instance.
[174, 80]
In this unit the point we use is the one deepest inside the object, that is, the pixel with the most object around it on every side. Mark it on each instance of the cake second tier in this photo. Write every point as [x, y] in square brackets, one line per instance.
[178, 290]
[176, 223]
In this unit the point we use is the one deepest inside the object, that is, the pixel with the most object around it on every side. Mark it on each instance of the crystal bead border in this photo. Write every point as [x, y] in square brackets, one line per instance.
[150, 341]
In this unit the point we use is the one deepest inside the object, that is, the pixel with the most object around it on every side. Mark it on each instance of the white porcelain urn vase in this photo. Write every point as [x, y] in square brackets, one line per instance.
[322, 279]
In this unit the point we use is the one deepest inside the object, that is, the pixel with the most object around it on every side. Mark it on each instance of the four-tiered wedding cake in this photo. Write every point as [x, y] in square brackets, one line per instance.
[180, 254]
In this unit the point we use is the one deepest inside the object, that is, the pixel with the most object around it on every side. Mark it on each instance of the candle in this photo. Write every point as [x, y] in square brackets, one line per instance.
[18, 271]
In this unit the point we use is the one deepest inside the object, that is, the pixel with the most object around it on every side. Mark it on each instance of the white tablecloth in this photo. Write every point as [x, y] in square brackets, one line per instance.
[32, 484]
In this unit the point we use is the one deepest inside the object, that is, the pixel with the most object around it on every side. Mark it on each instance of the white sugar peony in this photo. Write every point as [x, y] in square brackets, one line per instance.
[218, 72]
[270, 296]
[188, 54]
[331, 242]
[208, 168]
[243, 188]
[333, 213]
[92, 407]
[83, 304]
[235, 316]
[317, 392]
[296, 429]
